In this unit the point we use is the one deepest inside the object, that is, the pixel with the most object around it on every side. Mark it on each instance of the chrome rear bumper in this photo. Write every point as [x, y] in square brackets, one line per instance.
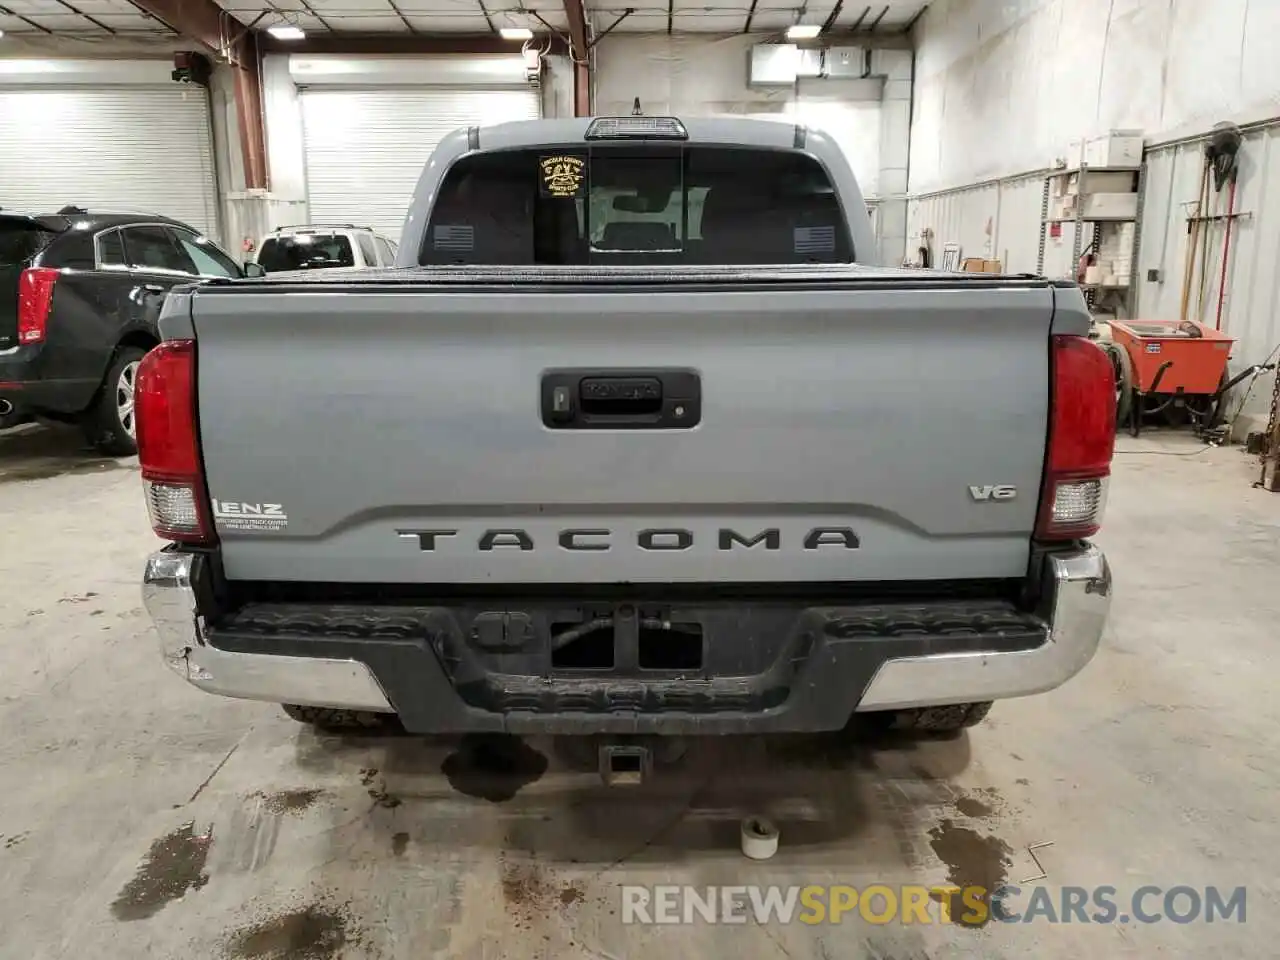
[170, 598]
[1075, 605]
[1078, 605]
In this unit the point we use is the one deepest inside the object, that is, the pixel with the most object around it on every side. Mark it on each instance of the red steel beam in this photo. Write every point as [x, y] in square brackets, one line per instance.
[249, 115]
[209, 25]
[576, 14]
[581, 90]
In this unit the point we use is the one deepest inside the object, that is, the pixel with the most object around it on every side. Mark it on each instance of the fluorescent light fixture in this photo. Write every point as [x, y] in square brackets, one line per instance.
[803, 31]
[286, 31]
[516, 33]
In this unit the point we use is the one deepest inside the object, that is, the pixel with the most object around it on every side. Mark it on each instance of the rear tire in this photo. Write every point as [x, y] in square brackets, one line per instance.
[1122, 366]
[109, 425]
[946, 719]
[331, 718]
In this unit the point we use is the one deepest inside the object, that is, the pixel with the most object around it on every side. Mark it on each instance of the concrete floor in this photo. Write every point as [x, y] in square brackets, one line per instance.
[142, 818]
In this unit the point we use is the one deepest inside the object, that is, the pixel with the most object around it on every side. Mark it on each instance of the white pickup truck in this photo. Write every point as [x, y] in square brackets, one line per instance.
[631, 442]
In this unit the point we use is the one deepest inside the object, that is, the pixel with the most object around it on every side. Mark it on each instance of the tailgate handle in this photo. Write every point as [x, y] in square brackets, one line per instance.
[620, 396]
[621, 399]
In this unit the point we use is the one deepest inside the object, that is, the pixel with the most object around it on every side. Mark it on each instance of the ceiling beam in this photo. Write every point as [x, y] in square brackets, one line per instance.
[80, 13]
[403, 19]
[871, 27]
[911, 24]
[312, 12]
[31, 23]
[833, 16]
[200, 20]
[855, 38]
[401, 43]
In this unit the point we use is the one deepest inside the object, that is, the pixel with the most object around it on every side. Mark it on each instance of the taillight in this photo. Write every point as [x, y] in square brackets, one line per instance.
[1082, 434]
[35, 296]
[168, 449]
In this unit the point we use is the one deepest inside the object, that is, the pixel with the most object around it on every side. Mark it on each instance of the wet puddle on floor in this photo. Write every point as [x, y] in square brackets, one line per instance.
[314, 932]
[973, 860]
[289, 802]
[493, 767]
[973, 807]
[173, 867]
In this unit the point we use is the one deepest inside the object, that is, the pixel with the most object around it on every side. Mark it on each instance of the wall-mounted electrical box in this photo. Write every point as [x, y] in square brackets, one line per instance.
[782, 64]
[845, 63]
[773, 65]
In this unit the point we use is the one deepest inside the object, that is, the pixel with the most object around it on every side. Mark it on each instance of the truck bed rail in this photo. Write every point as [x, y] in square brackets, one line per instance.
[841, 276]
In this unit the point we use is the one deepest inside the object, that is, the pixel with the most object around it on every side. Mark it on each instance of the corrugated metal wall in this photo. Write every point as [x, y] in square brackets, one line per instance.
[1001, 219]
[1251, 304]
[966, 217]
[998, 220]
[1018, 227]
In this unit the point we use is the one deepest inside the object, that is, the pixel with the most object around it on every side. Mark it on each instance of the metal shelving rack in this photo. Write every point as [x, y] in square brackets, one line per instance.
[1080, 223]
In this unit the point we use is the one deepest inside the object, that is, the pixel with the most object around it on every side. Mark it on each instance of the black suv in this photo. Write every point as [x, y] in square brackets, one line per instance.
[80, 294]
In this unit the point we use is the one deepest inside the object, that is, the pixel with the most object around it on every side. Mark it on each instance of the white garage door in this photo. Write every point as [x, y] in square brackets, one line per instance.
[365, 149]
[146, 149]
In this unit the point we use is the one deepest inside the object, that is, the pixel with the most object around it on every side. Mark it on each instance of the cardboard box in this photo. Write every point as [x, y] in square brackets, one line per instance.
[980, 265]
[1113, 205]
[1104, 206]
[1102, 183]
[1119, 148]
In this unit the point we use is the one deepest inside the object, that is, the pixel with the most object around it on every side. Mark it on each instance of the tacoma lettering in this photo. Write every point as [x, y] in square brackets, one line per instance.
[570, 539]
[772, 539]
[670, 539]
[426, 538]
[506, 538]
[831, 537]
[661, 539]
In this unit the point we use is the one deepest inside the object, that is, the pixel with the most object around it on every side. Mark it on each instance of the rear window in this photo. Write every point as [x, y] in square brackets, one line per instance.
[306, 251]
[637, 204]
[20, 241]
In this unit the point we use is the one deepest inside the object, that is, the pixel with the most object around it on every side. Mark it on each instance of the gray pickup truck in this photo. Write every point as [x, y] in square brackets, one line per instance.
[632, 442]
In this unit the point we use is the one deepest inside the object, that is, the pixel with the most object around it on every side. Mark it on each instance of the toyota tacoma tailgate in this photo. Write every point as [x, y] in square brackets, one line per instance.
[838, 425]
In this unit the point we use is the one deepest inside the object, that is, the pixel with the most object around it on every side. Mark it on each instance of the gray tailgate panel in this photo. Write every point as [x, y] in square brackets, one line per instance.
[366, 414]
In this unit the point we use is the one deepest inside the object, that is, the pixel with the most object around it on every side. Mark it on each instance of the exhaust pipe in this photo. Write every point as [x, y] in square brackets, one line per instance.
[625, 765]
[6, 408]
